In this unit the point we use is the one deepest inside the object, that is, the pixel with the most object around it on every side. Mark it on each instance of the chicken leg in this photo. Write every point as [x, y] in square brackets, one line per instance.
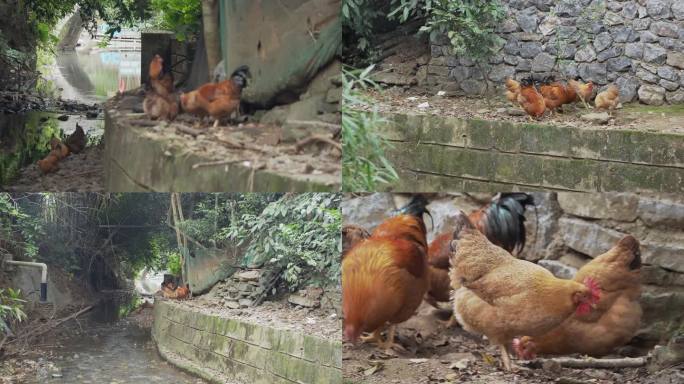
[389, 343]
[505, 358]
[373, 338]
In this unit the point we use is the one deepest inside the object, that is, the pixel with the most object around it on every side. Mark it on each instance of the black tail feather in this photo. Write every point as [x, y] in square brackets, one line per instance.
[416, 207]
[505, 220]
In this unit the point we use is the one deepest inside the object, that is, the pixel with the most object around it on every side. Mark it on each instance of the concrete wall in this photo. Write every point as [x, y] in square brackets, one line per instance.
[638, 45]
[442, 153]
[229, 350]
[567, 229]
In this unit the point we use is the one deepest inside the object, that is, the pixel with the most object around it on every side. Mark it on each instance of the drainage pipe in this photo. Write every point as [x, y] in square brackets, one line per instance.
[43, 275]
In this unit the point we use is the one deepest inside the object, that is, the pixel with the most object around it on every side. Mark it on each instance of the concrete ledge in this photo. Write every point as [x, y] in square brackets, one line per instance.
[444, 152]
[135, 162]
[220, 349]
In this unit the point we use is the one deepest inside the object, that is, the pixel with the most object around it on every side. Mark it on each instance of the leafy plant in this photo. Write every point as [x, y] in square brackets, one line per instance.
[364, 164]
[299, 233]
[11, 308]
[358, 20]
[468, 24]
[181, 16]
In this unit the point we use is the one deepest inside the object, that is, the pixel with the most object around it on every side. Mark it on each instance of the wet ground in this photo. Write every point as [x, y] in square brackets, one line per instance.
[632, 116]
[106, 345]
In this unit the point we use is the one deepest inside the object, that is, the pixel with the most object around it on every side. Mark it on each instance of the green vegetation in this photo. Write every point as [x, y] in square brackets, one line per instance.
[106, 238]
[364, 165]
[181, 16]
[468, 25]
[11, 309]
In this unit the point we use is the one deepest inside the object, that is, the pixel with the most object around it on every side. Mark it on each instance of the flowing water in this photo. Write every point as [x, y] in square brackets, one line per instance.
[113, 349]
[87, 77]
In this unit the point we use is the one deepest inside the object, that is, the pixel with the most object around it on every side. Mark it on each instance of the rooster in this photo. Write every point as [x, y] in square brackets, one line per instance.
[217, 100]
[503, 297]
[160, 101]
[384, 277]
[512, 90]
[58, 148]
[615, 320]
[77, 140]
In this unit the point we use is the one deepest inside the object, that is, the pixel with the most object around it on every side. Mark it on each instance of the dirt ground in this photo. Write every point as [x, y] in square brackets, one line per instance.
[631, 116]
[277, 314]
[286, 149]
[435, 354]
[81, 172]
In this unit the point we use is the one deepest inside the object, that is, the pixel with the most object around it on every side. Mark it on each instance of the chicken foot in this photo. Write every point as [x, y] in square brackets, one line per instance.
[375, 337]
[389, 343]
[505, 358]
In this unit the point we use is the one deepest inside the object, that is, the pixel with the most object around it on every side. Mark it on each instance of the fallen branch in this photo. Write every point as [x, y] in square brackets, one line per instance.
[190, 131]
[62, 320]
[590, 362]
[314, 123]
[213, 163]
[313, 138]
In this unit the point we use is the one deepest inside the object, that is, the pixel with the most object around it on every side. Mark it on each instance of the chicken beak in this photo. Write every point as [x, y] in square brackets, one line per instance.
[593, 306]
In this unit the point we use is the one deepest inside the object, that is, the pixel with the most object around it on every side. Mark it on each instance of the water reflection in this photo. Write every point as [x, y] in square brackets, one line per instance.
[97, 76]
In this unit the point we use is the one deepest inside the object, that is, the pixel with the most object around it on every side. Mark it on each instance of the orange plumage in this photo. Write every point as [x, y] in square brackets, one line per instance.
[352, 235]
[584, 91]
[502, 297]
[160, 101]
[384, 277]
[608, 99]
[58, 148]
[531, 101]
[49, 163]
[554, 95]
[616, 318]
[512, 90]
[217, 100]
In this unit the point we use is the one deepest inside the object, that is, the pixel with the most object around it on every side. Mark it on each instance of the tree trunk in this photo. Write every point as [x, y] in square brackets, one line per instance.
[212, 40]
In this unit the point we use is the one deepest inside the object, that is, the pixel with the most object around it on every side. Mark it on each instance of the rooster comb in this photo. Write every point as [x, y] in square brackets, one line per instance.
[594, 288]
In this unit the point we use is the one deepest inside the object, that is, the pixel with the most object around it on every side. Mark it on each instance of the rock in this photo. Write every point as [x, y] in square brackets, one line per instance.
[558, 269]
[232, 304]
[63, 118]
[499, 73]
[651, 94]
[612, 18]
[628, 87]
[634, 50]
[672, 44]
[641, 24]
[587, 238]
[543, 63]
[585, 55]
[669, 85]
[367, 211]
[568, 9]
[619, 64]
[602, 41]
[629, 10]
[496, 59]
[596, 118]
[510, 59]
[527, 22]
[567, 33]
[524, 65]
[301, 300]
[473, 87]
[648, 37]
[675, 97]
[92, 114]
[245, 303]
[530, 50]
[661, 212]
[662, 28]
[658, 9]
[669, 355]
[515, 112]
[647, 76]
[662, 314]
[251, 275]
[609, 53]
[569, 69]
[548, 27]
[512, 46]
[614, 206]
[508, 26]
[676, 59]
[595, 72]
[678, 10]
[654, 54]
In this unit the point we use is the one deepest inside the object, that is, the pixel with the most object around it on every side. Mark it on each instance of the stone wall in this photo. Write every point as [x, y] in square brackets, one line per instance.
[444, 153]
[637, 45]
[567, 229]
[228, 350]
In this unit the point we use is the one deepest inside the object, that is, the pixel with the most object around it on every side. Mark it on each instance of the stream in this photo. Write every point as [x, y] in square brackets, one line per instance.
[88, 76]
[112, 349]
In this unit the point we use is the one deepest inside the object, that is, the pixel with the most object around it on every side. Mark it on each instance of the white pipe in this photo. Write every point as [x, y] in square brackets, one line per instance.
[43, 275]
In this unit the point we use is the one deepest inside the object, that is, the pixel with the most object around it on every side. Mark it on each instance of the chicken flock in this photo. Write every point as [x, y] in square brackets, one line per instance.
[216, 100]
[518, 305]
[74, 143]
[536, 97]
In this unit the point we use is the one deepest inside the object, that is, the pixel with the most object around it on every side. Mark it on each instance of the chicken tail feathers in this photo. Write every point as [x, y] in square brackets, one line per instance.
[416, 207]
[504, 220]
[241, 75]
